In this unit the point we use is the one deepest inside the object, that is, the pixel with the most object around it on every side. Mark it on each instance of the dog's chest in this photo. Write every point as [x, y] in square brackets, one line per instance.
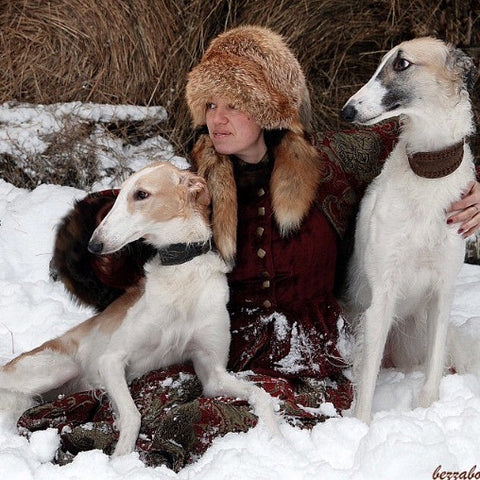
[402, 229]
[399, 202]
[182, 287]
[161, 348]
[397, 215]
[158, 336]
[175, 311]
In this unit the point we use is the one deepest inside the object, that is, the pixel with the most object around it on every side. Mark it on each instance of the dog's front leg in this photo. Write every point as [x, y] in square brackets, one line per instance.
[437, 329]
[376, 323]
[217, 381]
[112, 371]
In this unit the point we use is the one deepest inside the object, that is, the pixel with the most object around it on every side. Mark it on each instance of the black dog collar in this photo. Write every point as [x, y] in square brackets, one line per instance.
[179, 253]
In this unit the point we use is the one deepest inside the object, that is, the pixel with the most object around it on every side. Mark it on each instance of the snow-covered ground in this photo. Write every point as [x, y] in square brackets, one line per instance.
[401, 443]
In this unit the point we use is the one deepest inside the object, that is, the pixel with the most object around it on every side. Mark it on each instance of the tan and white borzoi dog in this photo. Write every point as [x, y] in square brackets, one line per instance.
[406, 257]
[177, 314]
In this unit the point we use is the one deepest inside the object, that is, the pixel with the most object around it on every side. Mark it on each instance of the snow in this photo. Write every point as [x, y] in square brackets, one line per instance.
[28, 130]
[402, 442]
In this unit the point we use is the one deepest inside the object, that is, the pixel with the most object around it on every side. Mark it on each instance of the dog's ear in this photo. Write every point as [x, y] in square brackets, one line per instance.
[197, 187]
[465, 66]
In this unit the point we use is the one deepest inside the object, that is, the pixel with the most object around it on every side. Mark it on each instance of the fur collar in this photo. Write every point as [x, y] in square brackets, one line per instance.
[296, 175]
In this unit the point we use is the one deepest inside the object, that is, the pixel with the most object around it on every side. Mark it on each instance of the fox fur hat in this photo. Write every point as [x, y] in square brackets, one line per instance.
[253, 68]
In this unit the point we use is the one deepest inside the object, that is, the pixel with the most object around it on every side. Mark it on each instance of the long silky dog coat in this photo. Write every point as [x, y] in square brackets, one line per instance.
[406, 256]
[177, 313]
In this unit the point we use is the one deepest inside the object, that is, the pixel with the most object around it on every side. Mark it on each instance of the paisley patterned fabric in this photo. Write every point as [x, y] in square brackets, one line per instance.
[178, 423]
[352, 158]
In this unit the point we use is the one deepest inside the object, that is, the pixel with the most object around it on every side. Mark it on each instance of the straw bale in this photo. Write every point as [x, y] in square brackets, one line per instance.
[140, 51]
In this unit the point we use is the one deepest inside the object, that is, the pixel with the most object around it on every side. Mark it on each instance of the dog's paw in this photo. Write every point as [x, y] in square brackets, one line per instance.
[426, 397]
[266, 408]
[129, 427]
[124, 447]
[363, 414]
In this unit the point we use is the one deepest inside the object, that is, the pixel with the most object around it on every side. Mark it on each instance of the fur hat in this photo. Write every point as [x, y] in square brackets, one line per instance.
[253, 68]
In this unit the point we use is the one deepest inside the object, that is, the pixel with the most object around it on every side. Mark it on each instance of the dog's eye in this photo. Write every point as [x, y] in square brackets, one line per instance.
[400, 64]
[140, 195]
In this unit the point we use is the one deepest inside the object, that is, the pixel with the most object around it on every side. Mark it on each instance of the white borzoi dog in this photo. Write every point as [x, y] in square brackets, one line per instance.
[406, 257]
[178, 313]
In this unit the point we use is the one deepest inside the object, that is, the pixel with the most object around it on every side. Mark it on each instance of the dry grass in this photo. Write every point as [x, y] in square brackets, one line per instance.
[69, 159]
[139, 52]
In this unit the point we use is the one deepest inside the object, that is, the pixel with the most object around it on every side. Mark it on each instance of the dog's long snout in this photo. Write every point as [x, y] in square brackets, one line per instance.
[348, 113]
[96, 247]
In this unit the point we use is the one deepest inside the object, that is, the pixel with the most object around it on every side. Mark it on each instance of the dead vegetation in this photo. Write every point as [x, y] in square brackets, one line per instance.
[140, 51]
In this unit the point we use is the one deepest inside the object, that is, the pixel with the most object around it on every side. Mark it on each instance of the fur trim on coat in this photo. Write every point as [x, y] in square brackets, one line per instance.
[297, 174]
[254, 69]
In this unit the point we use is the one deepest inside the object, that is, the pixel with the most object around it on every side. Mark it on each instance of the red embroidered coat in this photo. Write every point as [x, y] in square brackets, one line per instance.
[283, 311]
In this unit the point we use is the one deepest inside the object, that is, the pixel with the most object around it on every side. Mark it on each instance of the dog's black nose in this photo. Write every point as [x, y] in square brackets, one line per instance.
[95, 247]
[348, 113]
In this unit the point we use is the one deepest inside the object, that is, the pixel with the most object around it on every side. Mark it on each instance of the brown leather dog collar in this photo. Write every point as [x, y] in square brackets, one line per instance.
[437, 164]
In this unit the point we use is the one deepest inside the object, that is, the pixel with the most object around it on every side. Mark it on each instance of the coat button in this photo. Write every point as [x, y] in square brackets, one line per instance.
[267, 303]
[266, 284]
[261, 211]
[261, 192]
[260, 231]
[261, 253]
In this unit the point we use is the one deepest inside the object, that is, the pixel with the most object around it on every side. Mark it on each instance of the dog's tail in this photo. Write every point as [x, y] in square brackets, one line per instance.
[464, 347]
[32, 374]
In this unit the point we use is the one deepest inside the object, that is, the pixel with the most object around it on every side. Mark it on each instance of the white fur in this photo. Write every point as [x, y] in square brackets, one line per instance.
[406, 257]
[181, 314]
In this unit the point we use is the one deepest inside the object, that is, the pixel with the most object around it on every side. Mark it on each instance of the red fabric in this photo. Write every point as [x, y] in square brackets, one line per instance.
[352, 159]
[296, 333]
[283, 309]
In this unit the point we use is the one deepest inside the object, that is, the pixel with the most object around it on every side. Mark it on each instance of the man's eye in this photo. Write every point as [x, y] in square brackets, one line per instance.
[211, 106]
[140, 195]
[400, 64]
